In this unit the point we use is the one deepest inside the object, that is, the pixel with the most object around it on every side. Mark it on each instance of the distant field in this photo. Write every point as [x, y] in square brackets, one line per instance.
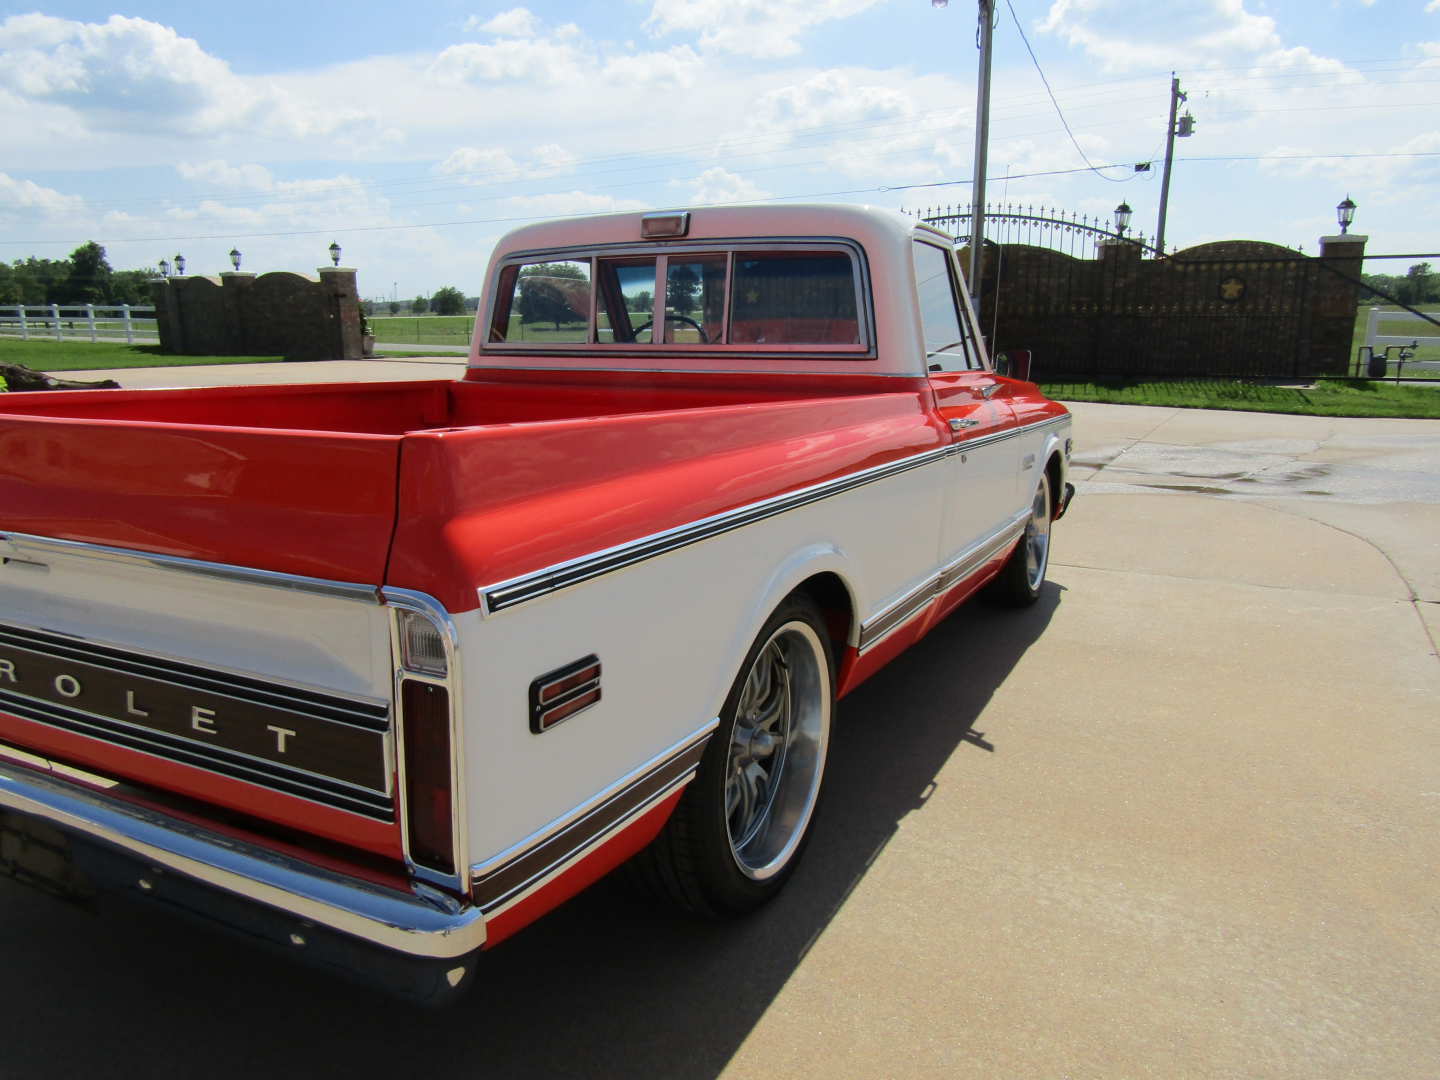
[1407, 328]
[422, 329]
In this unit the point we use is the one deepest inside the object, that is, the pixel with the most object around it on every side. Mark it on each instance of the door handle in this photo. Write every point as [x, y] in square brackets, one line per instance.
[961, 425]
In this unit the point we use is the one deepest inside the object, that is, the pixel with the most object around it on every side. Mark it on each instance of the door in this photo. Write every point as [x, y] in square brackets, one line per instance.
[983, 465]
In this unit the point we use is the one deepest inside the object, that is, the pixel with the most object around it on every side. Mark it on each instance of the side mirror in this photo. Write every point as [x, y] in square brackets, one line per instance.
[1014, 364]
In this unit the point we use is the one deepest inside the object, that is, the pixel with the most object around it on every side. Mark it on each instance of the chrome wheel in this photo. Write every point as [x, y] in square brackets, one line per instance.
[777, 750]
[1037, 536]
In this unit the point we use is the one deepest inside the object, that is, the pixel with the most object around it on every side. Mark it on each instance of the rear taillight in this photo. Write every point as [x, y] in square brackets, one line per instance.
[429, 802]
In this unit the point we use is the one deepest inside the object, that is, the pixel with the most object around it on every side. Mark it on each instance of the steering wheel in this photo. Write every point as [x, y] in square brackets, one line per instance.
[675, 318]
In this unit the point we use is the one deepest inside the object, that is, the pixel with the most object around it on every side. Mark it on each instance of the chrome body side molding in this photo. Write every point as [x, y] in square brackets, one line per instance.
[897, 614]
[504, 880]
[519, 590]
[33, 549]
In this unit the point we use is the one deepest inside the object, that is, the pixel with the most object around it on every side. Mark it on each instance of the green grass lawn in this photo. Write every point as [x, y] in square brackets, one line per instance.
[422, 329]
[83, 356]
[1410, 328]
[1332, 397]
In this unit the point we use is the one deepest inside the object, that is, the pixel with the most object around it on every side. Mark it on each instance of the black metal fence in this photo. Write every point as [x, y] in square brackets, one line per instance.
[1090, 302]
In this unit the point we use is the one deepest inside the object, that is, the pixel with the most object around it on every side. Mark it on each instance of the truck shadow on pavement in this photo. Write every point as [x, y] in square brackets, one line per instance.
[613, 984]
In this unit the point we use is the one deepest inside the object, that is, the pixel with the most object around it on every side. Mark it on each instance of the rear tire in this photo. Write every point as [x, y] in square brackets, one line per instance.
[1023, 576]
[741, 826]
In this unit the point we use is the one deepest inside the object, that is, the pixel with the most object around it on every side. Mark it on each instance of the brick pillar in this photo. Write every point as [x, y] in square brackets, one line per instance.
[235, 297]
[343, 300]
[1335, 304]
[167, 315]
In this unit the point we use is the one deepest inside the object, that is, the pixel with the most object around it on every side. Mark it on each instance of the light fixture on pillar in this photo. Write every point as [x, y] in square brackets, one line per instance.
[179, 265]
[235, 258]
[164, 267]
[335, 253]
[1122, 218]
[1345, 214]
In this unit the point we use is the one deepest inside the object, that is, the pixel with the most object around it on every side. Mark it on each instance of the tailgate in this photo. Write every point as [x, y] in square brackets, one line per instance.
[320, 504]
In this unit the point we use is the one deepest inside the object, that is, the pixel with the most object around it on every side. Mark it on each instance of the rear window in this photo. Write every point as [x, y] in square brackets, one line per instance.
[701, 299]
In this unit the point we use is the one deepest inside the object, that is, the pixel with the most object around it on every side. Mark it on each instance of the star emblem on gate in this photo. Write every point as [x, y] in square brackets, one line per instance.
[1232, 289]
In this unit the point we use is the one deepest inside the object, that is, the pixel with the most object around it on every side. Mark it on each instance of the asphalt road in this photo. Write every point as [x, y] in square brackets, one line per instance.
[1177, 820]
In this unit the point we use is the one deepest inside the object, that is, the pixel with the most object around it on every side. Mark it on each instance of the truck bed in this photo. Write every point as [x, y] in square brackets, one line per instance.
[309, 479]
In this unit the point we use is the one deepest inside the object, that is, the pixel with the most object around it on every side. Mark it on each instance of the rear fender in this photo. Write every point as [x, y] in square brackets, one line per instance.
[788, 575]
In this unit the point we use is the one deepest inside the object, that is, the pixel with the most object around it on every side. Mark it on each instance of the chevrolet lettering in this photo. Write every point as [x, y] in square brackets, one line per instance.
[437, 655]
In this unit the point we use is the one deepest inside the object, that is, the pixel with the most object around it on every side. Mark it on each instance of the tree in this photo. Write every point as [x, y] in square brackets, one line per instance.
[1418, 285]
[552, 292]
[131, 286]
[681, 289]
[419, 306]
[368, 307]
[448, 300]
[644, 300]
[88, 281]
[394, 307]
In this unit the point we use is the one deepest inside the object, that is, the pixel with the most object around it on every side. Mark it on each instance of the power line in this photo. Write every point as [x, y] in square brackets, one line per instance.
[879, 189]
[1064, 123]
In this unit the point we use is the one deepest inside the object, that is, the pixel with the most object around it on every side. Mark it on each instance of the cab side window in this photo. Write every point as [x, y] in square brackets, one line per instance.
[946, 347]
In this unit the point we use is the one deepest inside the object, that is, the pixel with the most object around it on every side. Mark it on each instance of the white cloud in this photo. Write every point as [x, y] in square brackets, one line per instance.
[28, 195]
[551, 159]
[482, 166]
[517, 22]
[675, 67]
[479, 165]
[1181, 33]
[509, 59]
[252, 178]
[1433, 6]
[133, 75]
[760, 28]
[717, 185]
[858, 128]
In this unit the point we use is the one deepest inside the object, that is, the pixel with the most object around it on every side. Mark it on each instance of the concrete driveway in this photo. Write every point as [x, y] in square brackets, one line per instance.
[1178, 820]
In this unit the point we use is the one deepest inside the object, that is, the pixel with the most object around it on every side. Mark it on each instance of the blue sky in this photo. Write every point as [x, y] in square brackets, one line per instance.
[416, 134]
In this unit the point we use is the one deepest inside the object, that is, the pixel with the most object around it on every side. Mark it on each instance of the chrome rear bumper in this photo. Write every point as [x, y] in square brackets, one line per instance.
[426, 925]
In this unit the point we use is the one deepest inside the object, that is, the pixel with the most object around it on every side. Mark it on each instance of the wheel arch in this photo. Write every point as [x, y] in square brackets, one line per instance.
[825, 575]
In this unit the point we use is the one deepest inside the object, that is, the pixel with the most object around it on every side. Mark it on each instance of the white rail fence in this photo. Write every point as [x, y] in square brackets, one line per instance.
[1374, 338]
[85, 322]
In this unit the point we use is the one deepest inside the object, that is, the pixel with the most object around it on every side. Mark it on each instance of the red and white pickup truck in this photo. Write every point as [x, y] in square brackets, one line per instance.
[383, 672]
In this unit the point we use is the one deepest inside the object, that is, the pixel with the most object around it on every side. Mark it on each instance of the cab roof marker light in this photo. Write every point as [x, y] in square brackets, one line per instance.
[665, 226]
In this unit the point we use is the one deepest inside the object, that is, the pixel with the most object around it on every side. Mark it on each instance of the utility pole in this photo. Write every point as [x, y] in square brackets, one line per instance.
[1184, 129]
[982, 149]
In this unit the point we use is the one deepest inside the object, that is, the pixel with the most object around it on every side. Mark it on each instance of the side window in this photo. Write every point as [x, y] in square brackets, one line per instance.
[945, 345]
[544, 301]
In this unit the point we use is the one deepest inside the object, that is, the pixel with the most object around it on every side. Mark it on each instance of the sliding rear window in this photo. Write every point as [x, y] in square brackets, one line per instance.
[796, 298]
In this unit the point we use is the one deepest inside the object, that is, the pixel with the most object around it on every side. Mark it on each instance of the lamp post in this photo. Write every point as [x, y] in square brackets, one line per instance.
[179, 265]
[1345, 214]
[335, 253]
[1122, 218]
[164, 267]
[235, 258]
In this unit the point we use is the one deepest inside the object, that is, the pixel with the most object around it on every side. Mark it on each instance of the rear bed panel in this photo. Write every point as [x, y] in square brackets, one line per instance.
[309, 503]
